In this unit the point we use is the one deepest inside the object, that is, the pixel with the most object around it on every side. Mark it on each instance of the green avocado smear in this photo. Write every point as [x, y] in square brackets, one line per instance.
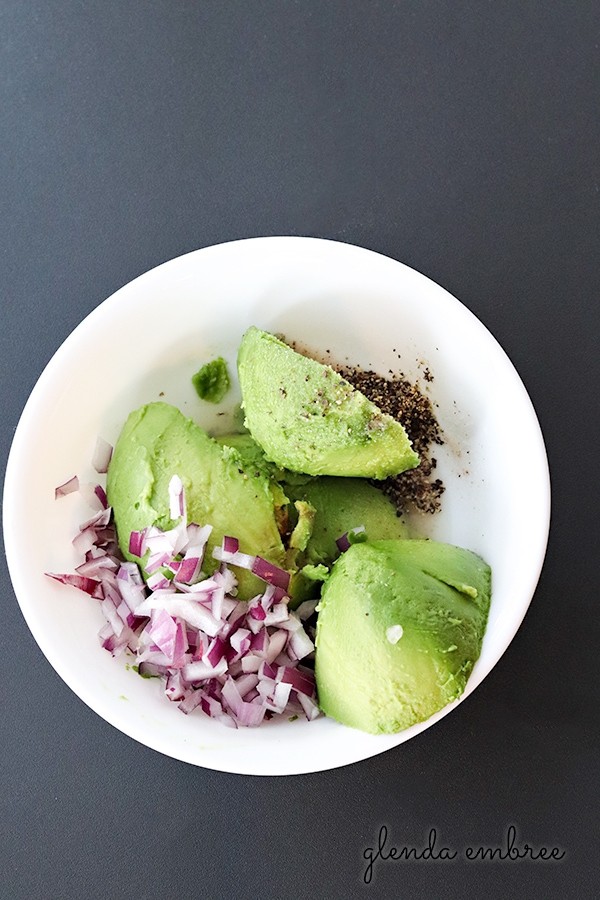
[400, 620]
[212, 380]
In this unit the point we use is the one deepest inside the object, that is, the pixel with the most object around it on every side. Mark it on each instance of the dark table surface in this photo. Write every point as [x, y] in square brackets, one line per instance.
[459, 137]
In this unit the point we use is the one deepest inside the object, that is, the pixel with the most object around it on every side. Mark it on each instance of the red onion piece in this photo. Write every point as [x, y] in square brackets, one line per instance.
[230, 545]
[301, 681]
[100, 493]
[136, 540]
[311, 710]
[245, 683]
[277, 642]
[158, 582]
[251, 663]
[271, 573]
[152, 670]
[156, 561]
[193, 699]
[87, 585]
[188, 569]
[68, 487]
[306, 609]
[248, 714]
[175, 688]
[240, 641]
[102, 455]
[257, 612]
[215, 652]
[344, 542]
[200, 671]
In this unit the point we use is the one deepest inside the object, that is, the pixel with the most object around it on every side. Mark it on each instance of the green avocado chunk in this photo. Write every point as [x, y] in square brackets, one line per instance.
[399, 629]
[307, 418]
[157, 442]
[342, 504]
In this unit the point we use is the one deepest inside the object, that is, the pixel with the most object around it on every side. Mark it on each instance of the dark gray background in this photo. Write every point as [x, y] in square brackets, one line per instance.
[458, 137]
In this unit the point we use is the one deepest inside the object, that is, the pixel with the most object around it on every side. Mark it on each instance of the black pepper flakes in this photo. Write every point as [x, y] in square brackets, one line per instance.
[406, 403]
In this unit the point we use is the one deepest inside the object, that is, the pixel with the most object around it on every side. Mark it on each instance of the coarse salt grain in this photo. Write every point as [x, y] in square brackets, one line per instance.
[394, 633]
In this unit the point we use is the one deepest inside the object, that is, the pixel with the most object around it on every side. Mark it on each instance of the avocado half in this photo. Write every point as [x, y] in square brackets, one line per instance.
[399, 629]
[309, 419]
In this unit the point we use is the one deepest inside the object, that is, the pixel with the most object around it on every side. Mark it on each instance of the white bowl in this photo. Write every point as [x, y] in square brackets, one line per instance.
[147, 340]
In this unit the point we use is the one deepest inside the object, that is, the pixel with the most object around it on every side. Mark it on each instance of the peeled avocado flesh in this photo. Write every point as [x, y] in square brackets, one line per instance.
[342, 504]
[438, 594]
[157, 442]
[307, 418]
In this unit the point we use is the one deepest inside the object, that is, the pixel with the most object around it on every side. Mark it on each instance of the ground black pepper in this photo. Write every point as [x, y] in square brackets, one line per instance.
[405, 402]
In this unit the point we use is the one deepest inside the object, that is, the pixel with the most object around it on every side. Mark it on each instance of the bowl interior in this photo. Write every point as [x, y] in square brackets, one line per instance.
[144, 343]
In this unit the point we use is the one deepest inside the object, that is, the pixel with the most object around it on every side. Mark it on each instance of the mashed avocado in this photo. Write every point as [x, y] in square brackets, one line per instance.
[307, 418]
[400, 627]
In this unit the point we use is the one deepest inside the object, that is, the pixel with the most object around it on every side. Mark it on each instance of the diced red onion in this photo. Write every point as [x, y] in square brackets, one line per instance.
[112, 617]
[343, 543]
[178, 605]
[193, 699]
[267, 671]
[261, 642]
[84, 540]
[248, 714]
[163, 631]
[242, 560]
[241, 640]
[100, 568]
[236, 660]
